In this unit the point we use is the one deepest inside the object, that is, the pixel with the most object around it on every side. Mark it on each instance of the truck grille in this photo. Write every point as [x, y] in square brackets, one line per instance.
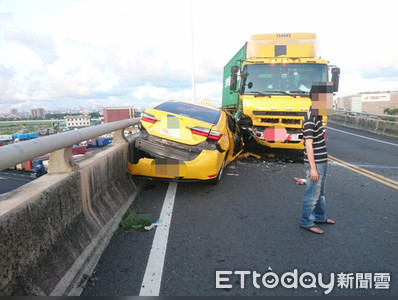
[270, 120]
[279, 113]
[289, 119]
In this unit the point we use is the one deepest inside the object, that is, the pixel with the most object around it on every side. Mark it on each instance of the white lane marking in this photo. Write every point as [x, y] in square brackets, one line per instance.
[153, 274]
[15, 178]
[364, 137]
[3, 178]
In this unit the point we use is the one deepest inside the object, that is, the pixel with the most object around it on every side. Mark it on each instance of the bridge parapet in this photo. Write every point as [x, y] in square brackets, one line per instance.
[60, 146]
[54, 229]
[369, 122]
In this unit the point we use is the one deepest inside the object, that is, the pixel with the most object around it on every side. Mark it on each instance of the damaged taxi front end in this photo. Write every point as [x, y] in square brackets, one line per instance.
[193, 145]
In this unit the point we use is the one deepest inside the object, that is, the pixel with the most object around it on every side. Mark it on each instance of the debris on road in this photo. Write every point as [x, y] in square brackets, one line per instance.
[247, 154]
[153, 225]
[300, 180]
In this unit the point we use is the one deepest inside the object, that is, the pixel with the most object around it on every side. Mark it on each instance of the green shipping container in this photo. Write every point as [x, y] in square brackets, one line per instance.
[230, 98]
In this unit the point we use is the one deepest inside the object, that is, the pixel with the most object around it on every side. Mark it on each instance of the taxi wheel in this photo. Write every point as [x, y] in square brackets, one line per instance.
[219, 175]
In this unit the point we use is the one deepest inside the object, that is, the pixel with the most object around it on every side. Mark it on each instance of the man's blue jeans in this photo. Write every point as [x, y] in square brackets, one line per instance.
[314, 206]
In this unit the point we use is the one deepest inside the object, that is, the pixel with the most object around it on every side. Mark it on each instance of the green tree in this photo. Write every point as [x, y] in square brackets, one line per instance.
[391, 111]
[94, 115]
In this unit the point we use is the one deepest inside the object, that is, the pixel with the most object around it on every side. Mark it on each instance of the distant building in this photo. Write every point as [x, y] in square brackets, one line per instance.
[370, 102]
[38, 113]
[5, 137]
[14, 111]
[112, 114]
[81, 121]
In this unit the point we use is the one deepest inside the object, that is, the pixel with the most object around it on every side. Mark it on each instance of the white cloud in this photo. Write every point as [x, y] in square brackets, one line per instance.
[38, 43]
[63, 52]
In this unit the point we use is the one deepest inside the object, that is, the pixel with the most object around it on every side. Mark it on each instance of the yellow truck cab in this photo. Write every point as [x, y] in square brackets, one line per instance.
[267, 86]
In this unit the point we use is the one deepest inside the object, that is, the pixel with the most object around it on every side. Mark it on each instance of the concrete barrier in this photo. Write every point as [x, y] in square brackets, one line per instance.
[388, 128]
[54, 229]
[378, 126]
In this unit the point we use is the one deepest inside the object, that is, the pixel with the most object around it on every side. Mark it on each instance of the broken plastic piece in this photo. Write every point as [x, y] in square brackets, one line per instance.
[300, 180]
[255, 155]
[246, 154]
[157, 223]
[153, 225]
[149, 227]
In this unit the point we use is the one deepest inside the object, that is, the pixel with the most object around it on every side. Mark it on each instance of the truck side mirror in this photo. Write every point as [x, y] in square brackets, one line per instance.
[234, 70]
[234, 82]
[335, 78]
[234, 78]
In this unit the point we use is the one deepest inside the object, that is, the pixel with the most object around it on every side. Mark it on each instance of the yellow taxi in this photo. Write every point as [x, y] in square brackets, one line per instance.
[184, 141]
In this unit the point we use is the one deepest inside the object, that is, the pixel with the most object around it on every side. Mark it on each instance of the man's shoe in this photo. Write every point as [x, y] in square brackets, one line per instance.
[328, 221]
[314, 229]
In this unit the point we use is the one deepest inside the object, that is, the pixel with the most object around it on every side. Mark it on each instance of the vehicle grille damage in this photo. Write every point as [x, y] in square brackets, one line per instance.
[155, 147]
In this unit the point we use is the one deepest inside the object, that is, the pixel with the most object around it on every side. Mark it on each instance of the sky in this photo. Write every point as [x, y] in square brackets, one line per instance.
[64, 54]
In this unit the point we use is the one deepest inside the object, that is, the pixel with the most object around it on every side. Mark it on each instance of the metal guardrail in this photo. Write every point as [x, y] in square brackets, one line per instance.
[366, 114]
[60, 146]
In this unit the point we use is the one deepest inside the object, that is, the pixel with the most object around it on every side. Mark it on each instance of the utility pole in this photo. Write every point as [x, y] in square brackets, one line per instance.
[193, 59]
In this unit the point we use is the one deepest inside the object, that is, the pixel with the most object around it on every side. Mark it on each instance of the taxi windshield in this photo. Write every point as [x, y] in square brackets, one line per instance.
[200, 113]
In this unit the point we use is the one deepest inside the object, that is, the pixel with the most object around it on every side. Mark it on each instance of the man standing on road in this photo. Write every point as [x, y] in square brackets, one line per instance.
[316, 158]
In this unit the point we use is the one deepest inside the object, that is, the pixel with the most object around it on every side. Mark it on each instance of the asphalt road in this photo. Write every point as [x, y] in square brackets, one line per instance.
[372, 152]
[13, 179]
[250, 222]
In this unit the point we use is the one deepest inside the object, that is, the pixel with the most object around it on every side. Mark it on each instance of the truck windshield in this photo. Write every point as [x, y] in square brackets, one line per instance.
[277, 79]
